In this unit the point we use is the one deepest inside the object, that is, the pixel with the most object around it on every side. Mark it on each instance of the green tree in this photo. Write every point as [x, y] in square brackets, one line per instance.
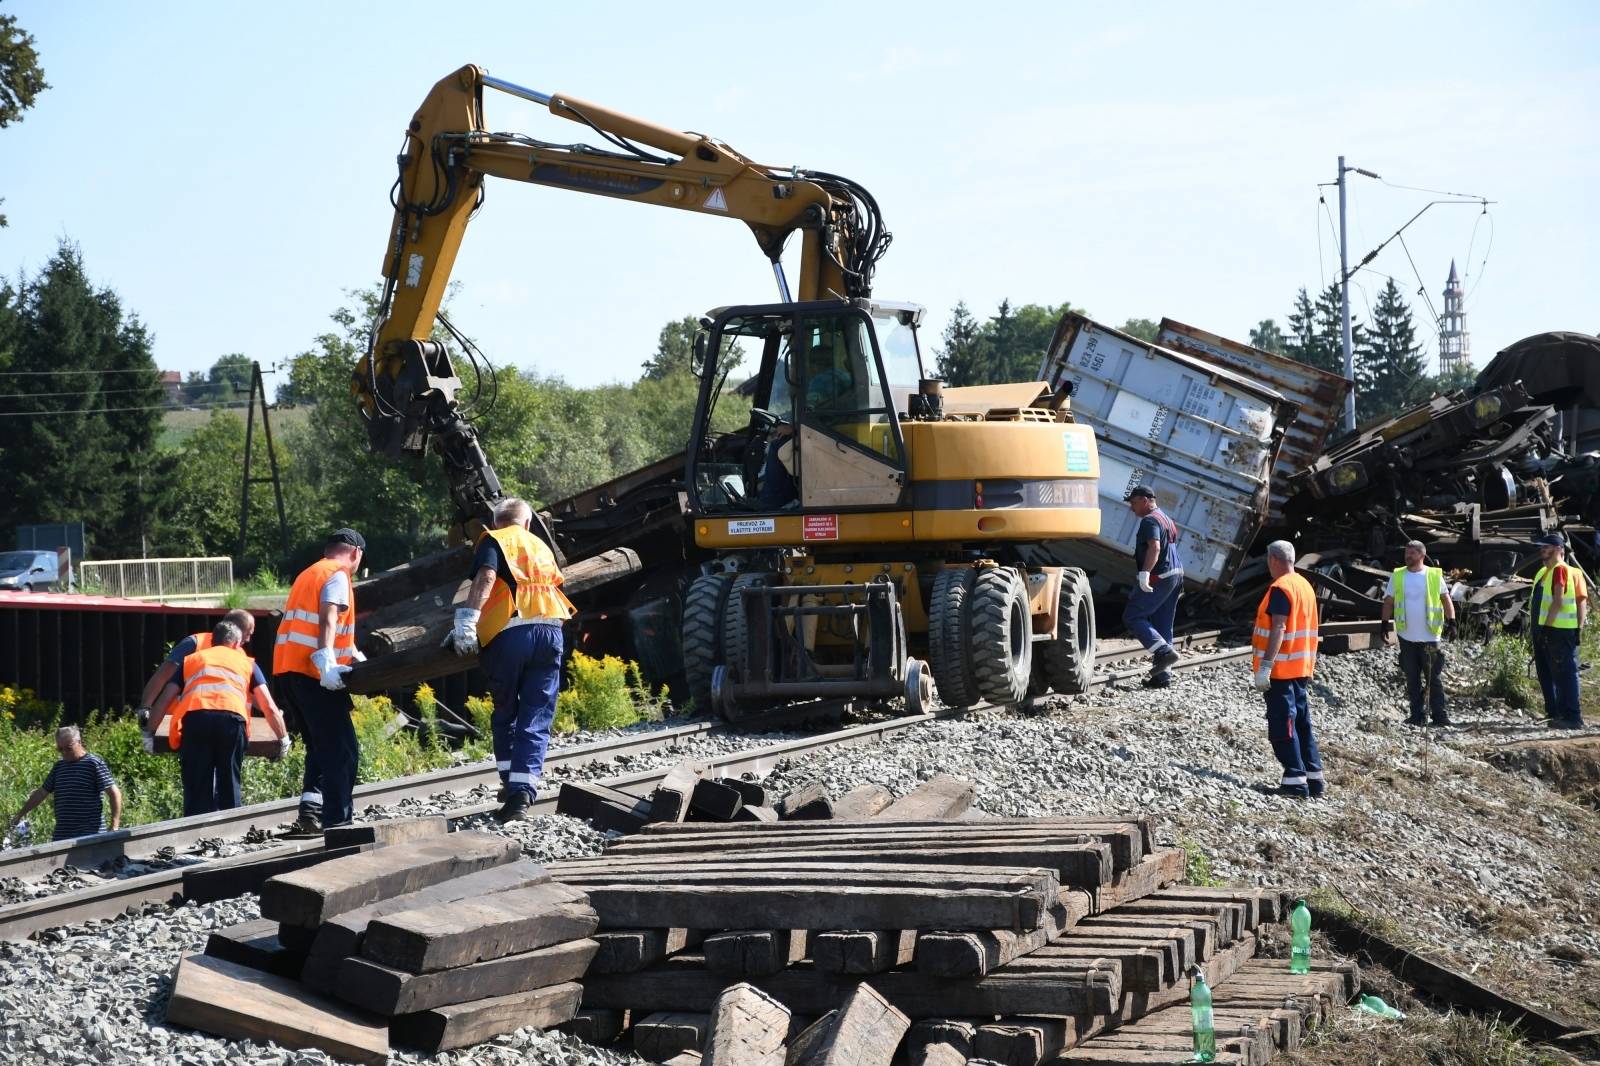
[229, 378]
[1314, 336]
[21, 77]
[1454, 380]
[963, 358]
[84, 405]
[1142, 328]
[674, 349]
[1391, 372]
[1268, 337]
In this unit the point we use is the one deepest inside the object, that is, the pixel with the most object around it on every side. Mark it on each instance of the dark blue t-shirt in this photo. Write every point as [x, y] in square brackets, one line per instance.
[77, 785]
[1277, 603]
[1152, 528]
[185, 648]
[490, 555]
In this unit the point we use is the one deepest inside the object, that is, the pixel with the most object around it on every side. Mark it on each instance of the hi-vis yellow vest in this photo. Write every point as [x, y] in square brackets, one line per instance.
[1576, 590]
[1435, 616]
[537, 593]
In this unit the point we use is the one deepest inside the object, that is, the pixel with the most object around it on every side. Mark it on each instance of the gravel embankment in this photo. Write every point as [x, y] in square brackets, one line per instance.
[1487, 869]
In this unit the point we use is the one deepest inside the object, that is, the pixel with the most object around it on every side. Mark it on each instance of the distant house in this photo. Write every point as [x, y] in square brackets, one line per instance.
[172, 386]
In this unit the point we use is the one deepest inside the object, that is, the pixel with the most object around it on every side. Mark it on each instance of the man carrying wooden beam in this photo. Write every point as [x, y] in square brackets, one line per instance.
[515, 612]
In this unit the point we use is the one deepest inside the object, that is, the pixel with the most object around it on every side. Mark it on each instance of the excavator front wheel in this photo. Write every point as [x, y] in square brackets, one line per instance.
[703, 608]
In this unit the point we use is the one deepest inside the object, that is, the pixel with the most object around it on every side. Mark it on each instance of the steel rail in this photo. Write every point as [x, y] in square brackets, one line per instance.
[115, 897]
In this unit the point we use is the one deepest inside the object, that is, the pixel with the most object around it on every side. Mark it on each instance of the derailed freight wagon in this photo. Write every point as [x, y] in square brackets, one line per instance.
[1205, 438]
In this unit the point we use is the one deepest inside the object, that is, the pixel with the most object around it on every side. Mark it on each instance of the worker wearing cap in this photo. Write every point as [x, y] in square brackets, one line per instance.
[514, 612]
[1284, 656]
[209, 700]
[316, 647]
[1153, 604]
[1558, 606]
[1420, 605]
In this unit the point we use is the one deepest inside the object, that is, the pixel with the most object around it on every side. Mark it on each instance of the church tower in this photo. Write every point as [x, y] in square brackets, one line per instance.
[1455, 344]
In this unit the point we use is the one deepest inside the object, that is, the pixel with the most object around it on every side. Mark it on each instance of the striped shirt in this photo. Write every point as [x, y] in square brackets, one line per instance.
[76, 785]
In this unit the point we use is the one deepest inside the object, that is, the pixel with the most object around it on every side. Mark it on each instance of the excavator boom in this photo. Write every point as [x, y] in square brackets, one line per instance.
[406, 384]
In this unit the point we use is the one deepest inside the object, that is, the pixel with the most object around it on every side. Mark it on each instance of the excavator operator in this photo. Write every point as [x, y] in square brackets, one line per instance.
[830, 386]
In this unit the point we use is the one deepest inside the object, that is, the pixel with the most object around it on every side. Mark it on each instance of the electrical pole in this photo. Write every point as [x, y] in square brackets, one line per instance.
[1344, 309]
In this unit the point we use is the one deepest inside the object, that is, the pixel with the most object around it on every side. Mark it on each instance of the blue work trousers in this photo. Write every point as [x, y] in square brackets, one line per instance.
[523, 665]
[331, 747]
[210, 758]
[1149, 615]
[1293, 742]
[1555, 658]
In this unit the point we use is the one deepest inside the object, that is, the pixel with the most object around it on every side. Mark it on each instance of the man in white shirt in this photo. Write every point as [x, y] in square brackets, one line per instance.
[1419, 603]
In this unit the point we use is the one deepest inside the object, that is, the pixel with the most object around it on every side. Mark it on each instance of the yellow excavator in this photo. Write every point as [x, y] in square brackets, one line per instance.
[867, 528]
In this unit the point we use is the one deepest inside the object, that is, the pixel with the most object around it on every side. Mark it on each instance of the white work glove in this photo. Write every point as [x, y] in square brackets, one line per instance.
[464, 637]
[1264, 677]
[149, 743]
[1144, 581]
[356, 655]
[332, 673]
[284, 744]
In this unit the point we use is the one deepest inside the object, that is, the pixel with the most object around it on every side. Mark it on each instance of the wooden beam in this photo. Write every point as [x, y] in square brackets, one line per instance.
[756, 952]
[388, 991]
[715, 800]
[667, 1034]
[389, 831]
[809, 802]
[237, 1003]
[255, 945]
[598, 1027]
[446, 935]
[631, 950]
[341, 935]
[864, 801]
[463, 1024]
[863, 951]
[310, 896]
[603, 807]
[974, 953]
[865, 1032]
[748, 1028]
[939, 797]
[671, 798]
[232, 877]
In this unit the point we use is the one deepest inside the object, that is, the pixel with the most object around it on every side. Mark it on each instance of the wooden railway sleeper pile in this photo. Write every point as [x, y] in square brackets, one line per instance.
[846, 930]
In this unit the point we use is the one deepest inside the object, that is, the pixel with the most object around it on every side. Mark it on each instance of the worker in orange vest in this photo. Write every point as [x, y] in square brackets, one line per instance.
[1284, 657]
[260, 695]
[316, 647]
[514, 612]
[209, 702]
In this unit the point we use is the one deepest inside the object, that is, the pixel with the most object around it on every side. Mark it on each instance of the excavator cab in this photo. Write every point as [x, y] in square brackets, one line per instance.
[798, 412]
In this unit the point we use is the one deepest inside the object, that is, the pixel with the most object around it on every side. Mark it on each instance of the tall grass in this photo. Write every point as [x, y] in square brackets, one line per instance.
[1505, 673]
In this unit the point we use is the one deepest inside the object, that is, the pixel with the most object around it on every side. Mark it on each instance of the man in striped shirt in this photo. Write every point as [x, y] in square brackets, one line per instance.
[77, 781]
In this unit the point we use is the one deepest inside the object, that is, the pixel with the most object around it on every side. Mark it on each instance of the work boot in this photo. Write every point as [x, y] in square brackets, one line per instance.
[1157, 680]
[1442, 719]
[1166, 659]
[515, 808]
[307, 825]
[1416, 718]
[1567, 723]
[1299, 792]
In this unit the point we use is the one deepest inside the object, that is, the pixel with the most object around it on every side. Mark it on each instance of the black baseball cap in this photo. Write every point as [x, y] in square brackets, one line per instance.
[1140, 490]
[347, 536]
[1552, 540]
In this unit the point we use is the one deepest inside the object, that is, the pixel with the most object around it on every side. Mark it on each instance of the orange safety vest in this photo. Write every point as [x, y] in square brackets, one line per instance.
[299, 632]
[536, 597]
[202, 641]
[1297, 654]
[214, 679]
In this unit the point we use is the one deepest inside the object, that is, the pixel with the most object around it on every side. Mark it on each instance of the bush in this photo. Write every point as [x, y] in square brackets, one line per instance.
[606, 693]
[1505, 673]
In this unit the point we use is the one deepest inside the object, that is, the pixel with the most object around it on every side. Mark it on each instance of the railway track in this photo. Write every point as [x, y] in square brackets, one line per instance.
[20, 920]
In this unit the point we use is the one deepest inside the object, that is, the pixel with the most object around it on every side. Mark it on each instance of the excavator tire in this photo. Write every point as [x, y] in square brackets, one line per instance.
[947, 637]
[703, 608]
[1069, 659]
[1002, 635]
[736, 626]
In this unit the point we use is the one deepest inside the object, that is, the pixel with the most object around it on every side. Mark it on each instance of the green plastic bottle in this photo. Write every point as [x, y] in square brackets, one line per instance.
[1300, 939]
[1205, 1034]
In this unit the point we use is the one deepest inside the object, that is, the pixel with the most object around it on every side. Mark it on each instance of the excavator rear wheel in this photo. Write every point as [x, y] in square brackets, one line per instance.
[1002, 635]
[947, 637]
[1069, 659]
[703, 608]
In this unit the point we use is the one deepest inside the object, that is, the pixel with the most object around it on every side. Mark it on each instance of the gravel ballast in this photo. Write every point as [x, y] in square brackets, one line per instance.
[1489, 870]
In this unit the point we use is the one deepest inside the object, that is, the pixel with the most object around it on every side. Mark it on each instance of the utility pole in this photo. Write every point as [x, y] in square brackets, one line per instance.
[1344, 309]
[258, 394]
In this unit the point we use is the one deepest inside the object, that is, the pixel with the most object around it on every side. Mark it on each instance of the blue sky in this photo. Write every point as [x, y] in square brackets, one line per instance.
[226, 167]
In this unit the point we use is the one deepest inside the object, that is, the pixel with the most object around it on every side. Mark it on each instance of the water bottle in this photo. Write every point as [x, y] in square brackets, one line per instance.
[1205, 1035]
[1300, 939]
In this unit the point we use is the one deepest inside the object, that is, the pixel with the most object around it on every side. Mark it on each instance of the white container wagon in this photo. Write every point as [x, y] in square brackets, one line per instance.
[1204, 438]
